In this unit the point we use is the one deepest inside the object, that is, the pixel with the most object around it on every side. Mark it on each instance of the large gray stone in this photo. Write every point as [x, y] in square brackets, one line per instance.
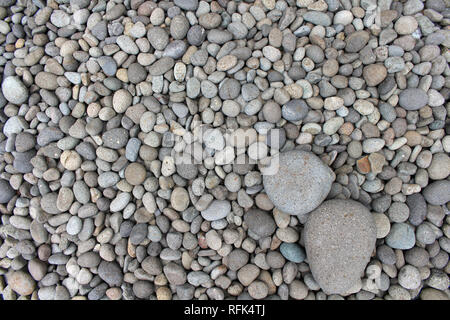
[301, 183]
[340, 236]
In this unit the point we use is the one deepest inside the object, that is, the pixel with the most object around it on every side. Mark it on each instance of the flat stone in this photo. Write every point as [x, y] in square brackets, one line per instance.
[318, 18]
[14, 90]
[374, 74]
[111, 273]
[21, 282]
[294, 110]
[127, 44]
[437, 193]
[161, 66]
[356, 41]
[115, 138]
[135, 173]
[293, 252]
[417, 208]
[401, 236]
[260, 223]
[413, 99]
[6, 191]
[218, 209]
[190, 5]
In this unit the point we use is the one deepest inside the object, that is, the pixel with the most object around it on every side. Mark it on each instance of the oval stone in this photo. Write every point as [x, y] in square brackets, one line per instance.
[218, 209]
[340, 236]
[300, 184]
[260, 223]
[413, 99]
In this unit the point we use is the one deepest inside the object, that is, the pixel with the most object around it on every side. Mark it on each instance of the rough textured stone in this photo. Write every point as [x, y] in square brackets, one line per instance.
[260, 223]
[339, 239]
[437, 193]
[413, 99]
[6, 191]
[300, 184]
[111, 273]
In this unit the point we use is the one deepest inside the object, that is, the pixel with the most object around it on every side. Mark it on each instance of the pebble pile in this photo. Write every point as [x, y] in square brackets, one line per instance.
[217, 149]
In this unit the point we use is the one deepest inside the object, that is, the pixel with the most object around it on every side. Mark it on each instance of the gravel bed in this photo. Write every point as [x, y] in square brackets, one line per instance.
[217, 149]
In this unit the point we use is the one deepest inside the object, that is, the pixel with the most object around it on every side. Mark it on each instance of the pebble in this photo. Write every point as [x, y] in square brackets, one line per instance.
[260, 223]
[439, 168]
[115, 138]
[356, 41]
[158, 38]
[179, 199]
[161, 66]
[14, 90]
[74, 225]
[187, 4]
[236, 259]
[292, 252]
[218, 209]
[108, 65]
[413, 99]
[135, 173]
[417, 208]
[317, 18]
[6, 191]
[409, 277]
[182, 149]
[110, 272]
[343, 17]
[21, 282]
[229, 89]
[136, 73]
[294, 110]
[401, 236]
[437, 193]
[405, 25]
[374, 74]
[121, 100]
